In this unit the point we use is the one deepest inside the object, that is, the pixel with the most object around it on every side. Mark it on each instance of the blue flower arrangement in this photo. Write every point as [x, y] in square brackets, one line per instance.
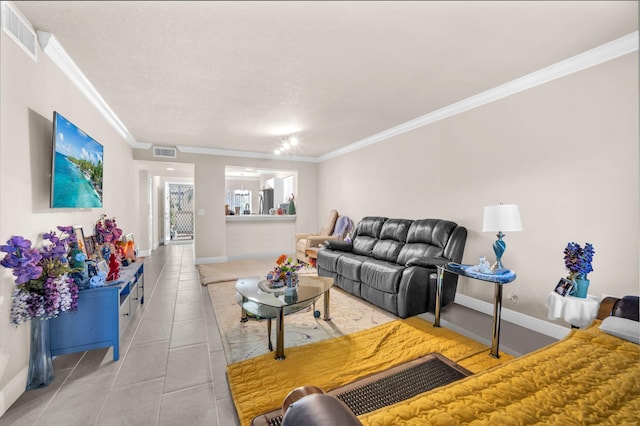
[578, 260]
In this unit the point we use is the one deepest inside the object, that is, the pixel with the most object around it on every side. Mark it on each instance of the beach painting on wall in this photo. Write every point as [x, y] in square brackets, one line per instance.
[76, 178]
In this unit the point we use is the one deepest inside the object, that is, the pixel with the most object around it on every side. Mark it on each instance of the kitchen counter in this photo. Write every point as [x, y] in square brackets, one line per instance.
[261, 218]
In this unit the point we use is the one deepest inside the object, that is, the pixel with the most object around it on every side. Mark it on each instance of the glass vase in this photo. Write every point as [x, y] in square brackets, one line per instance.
[40, 364]
[582, 286]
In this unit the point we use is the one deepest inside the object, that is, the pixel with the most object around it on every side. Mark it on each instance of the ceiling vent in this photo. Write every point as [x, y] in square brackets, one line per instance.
[163, 152]
[19, 29]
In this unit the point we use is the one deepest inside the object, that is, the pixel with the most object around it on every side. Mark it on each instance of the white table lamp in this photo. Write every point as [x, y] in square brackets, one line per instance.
[501, 218]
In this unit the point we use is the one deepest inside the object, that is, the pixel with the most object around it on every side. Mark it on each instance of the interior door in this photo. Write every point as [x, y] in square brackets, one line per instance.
[167, 213]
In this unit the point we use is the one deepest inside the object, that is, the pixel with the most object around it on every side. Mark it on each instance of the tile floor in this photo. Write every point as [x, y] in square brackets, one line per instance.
[172, 367]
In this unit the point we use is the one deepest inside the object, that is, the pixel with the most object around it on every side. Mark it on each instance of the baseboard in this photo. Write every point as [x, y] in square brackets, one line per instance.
[526, 321]
[13, 390]
[205, 260]
[221, 259]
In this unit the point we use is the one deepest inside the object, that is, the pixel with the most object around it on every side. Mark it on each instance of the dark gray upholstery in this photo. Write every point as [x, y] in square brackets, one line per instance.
[319, 409]
[391, 262]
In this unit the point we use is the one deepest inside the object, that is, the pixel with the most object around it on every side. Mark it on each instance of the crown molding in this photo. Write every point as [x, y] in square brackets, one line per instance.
[590, 58]
[54, 50]
[245, 154]
[606, 52]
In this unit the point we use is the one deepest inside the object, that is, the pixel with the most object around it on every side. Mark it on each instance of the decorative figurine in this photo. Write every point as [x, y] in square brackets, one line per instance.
[130, 251]
[98, 279]
[114, 268]
[484, 266]
[292, 205]
[76, 257]
[106, 251]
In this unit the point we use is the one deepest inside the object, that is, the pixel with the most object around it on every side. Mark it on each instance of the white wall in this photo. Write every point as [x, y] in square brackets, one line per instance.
[566, 152]
[30, 93]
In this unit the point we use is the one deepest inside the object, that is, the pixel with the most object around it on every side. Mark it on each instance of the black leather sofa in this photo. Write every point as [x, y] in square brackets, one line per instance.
[391, 262]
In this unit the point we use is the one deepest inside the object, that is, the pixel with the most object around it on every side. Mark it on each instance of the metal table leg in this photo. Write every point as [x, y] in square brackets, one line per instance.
[440, 272]
[280, 334]
[497, 310]
[269, 334]
[243, 315]
[327, 298]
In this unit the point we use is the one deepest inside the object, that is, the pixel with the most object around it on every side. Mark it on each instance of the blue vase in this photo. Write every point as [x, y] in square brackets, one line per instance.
[40, 364]
[582, 287]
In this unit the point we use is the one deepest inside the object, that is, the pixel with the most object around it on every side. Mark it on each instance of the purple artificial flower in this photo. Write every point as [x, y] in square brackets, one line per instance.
[66, 229]
[35, 295]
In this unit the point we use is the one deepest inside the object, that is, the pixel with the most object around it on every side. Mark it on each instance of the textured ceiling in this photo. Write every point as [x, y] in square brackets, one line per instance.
[238, 75]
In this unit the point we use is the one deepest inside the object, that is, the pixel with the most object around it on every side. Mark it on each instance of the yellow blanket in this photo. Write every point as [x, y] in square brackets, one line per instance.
[587, 378]
[260, 384]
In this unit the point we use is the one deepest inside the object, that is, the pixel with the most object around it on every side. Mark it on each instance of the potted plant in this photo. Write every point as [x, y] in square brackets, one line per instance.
[44, 288]
[578, 261]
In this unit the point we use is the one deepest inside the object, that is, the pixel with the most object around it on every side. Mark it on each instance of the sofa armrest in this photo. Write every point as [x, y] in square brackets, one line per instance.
[427, 262]
[316, 240]
[302, 235]
[339, 245]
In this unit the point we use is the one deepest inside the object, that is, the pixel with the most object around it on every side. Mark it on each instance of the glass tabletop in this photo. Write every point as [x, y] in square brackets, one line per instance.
[309, 288]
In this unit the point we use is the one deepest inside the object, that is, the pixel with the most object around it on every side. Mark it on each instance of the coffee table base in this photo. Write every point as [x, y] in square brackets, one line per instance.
[279, 316]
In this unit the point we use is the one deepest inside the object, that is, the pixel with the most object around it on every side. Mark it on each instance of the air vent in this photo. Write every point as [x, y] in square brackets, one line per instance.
[19, 29]
[164, 152]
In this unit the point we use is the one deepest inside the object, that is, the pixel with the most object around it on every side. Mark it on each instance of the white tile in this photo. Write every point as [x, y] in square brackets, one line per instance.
[136, 404]
[186, 333]
[187, 367]
[193, 406]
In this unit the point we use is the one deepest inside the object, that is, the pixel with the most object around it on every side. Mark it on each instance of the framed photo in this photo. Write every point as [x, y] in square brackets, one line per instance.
[102, 266]
[90, 246]
[564, 287]
[80, 237]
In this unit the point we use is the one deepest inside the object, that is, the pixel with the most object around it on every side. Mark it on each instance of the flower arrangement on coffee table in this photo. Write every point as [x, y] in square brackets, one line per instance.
[285, 268]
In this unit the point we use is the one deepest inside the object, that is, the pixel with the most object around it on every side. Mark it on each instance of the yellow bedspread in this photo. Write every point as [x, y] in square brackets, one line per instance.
[260, 384]
[587, 378]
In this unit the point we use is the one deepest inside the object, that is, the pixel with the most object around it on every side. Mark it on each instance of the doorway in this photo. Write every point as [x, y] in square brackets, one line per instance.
[180, 215]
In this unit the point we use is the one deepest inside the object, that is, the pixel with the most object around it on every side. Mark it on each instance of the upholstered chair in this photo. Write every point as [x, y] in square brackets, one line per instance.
[305, 241]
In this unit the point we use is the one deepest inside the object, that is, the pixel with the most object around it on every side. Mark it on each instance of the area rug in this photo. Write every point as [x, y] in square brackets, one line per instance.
[244, 340]
[235, 269]
[260, 384]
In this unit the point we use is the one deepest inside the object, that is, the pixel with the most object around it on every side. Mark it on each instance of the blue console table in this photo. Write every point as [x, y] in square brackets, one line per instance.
[498, 280]
[103, 313]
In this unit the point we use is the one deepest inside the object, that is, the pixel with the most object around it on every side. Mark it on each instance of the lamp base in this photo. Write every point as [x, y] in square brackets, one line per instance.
[497, 270]
[499, 246]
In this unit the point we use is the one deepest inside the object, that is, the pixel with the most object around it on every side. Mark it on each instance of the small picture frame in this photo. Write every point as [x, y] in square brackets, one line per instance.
[90, 246]
[564, 287]
[102, 266]
[80, 237]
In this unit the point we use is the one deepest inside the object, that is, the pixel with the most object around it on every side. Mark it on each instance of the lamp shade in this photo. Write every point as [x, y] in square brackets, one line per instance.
[503, 217]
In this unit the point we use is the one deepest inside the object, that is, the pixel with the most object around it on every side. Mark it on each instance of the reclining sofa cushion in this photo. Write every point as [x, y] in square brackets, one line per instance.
[393, 236]
[383, 276]
[426, 238]
[350, 265]
[366, 235]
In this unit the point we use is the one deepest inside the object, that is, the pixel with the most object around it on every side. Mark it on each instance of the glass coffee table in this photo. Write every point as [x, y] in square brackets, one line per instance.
[259, 299]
